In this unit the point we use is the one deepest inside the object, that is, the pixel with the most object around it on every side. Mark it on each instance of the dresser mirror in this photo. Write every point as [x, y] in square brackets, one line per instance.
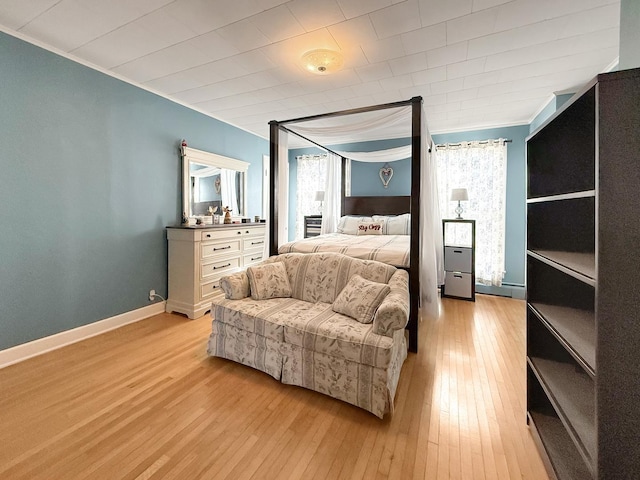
[212, 180]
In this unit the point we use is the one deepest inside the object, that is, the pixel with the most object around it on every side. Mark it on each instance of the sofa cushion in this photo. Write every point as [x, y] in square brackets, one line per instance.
[322, 330]
[360, 298]
[254, 315]
[269, 281]
[235, 286]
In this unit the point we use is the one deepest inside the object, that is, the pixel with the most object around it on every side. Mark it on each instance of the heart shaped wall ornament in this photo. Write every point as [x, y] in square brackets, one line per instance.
[386, 173]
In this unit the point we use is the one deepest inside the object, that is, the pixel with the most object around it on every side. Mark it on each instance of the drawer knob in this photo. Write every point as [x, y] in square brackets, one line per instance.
[255, 258]
[239, 233]
[222, 248]
[457, 251]
[257, 243]
[208, 235]
[222, 266]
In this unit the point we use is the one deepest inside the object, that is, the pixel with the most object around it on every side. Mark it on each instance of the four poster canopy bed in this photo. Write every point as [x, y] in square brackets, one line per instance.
[406, 229]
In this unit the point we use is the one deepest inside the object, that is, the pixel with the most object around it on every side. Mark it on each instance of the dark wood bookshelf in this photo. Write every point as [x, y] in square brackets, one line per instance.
[583, 333]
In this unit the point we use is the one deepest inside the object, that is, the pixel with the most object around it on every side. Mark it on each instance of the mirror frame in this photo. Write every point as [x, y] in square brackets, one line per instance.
[192, 155]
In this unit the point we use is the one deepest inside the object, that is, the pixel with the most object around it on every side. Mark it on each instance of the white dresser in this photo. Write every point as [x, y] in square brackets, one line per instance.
[199, 256]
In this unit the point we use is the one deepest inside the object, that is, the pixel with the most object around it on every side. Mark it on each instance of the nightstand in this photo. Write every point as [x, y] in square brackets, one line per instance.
[459, 259]
[312, 224]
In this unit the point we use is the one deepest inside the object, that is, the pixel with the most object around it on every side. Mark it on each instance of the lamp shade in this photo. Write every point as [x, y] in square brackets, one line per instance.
[459, 194]
[319, 196]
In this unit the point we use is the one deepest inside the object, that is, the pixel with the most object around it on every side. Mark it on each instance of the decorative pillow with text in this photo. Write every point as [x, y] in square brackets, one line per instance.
[371, 227]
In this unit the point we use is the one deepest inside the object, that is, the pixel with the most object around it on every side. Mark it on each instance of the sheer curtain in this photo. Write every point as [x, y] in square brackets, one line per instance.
[481, 168]
[282, 195]
[310, 177]
[332, 191]
[283, 187]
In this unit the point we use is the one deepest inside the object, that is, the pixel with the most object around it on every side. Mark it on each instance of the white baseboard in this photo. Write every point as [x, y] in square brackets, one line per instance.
[53, 342]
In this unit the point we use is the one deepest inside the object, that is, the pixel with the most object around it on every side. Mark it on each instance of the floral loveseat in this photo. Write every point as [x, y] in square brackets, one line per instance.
[294, 333]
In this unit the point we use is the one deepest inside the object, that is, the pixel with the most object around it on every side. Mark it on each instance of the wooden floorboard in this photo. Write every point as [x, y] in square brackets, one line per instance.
[146, 402]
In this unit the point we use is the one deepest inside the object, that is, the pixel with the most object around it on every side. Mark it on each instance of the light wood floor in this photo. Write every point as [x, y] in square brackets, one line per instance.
[145, 402]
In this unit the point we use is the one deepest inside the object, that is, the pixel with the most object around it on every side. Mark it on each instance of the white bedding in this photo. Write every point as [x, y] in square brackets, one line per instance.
[389, 249]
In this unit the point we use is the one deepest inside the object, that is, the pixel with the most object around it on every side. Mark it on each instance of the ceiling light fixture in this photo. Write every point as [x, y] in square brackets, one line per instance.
[322, 61]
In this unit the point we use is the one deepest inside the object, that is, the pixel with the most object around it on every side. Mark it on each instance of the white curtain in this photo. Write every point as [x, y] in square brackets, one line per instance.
[481, 168]
[228, 190]
[332, 194]
[283, 187]
[282, 195]
[310, 178]
[431, 250]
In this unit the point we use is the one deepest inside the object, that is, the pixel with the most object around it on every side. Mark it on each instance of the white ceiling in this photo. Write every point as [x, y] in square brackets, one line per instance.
[476, 63]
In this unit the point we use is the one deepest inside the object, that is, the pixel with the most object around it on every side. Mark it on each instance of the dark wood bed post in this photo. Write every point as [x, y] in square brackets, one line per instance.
[414, 261]
[274, 131]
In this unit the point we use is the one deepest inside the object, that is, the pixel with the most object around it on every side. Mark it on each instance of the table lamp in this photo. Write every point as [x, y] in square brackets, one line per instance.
[459, 195]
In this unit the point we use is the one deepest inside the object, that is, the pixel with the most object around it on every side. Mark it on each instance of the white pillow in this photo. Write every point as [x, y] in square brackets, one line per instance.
[349, 224]
[397, 224]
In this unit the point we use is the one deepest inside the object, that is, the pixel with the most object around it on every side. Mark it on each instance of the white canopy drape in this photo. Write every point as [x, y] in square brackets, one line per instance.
[377, 124]
[389, 155]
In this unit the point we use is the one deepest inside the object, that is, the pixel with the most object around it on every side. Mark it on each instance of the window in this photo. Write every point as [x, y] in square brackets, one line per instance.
[481, 168]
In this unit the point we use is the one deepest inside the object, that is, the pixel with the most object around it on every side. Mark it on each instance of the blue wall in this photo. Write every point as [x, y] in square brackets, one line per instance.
[514, 278]
[90, 176]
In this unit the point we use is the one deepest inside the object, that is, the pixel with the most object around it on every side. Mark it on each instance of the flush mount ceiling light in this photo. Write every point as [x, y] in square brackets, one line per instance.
[322, 61]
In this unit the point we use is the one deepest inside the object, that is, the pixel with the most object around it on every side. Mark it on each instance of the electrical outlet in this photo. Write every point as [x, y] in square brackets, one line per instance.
[152, 295]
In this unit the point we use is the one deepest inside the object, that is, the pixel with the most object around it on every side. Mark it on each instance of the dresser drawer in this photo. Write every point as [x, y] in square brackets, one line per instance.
[210, 288]
[253, 243]
[219, 267]
[215, 249]
[457, 259]
[252, 258]
[457, 284]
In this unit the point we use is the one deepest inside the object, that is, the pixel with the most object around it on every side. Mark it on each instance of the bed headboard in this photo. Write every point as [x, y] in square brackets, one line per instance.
[383, 205]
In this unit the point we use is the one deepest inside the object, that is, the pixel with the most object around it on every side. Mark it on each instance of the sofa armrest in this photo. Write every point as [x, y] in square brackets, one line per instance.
[235, 286]
[393, 313]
